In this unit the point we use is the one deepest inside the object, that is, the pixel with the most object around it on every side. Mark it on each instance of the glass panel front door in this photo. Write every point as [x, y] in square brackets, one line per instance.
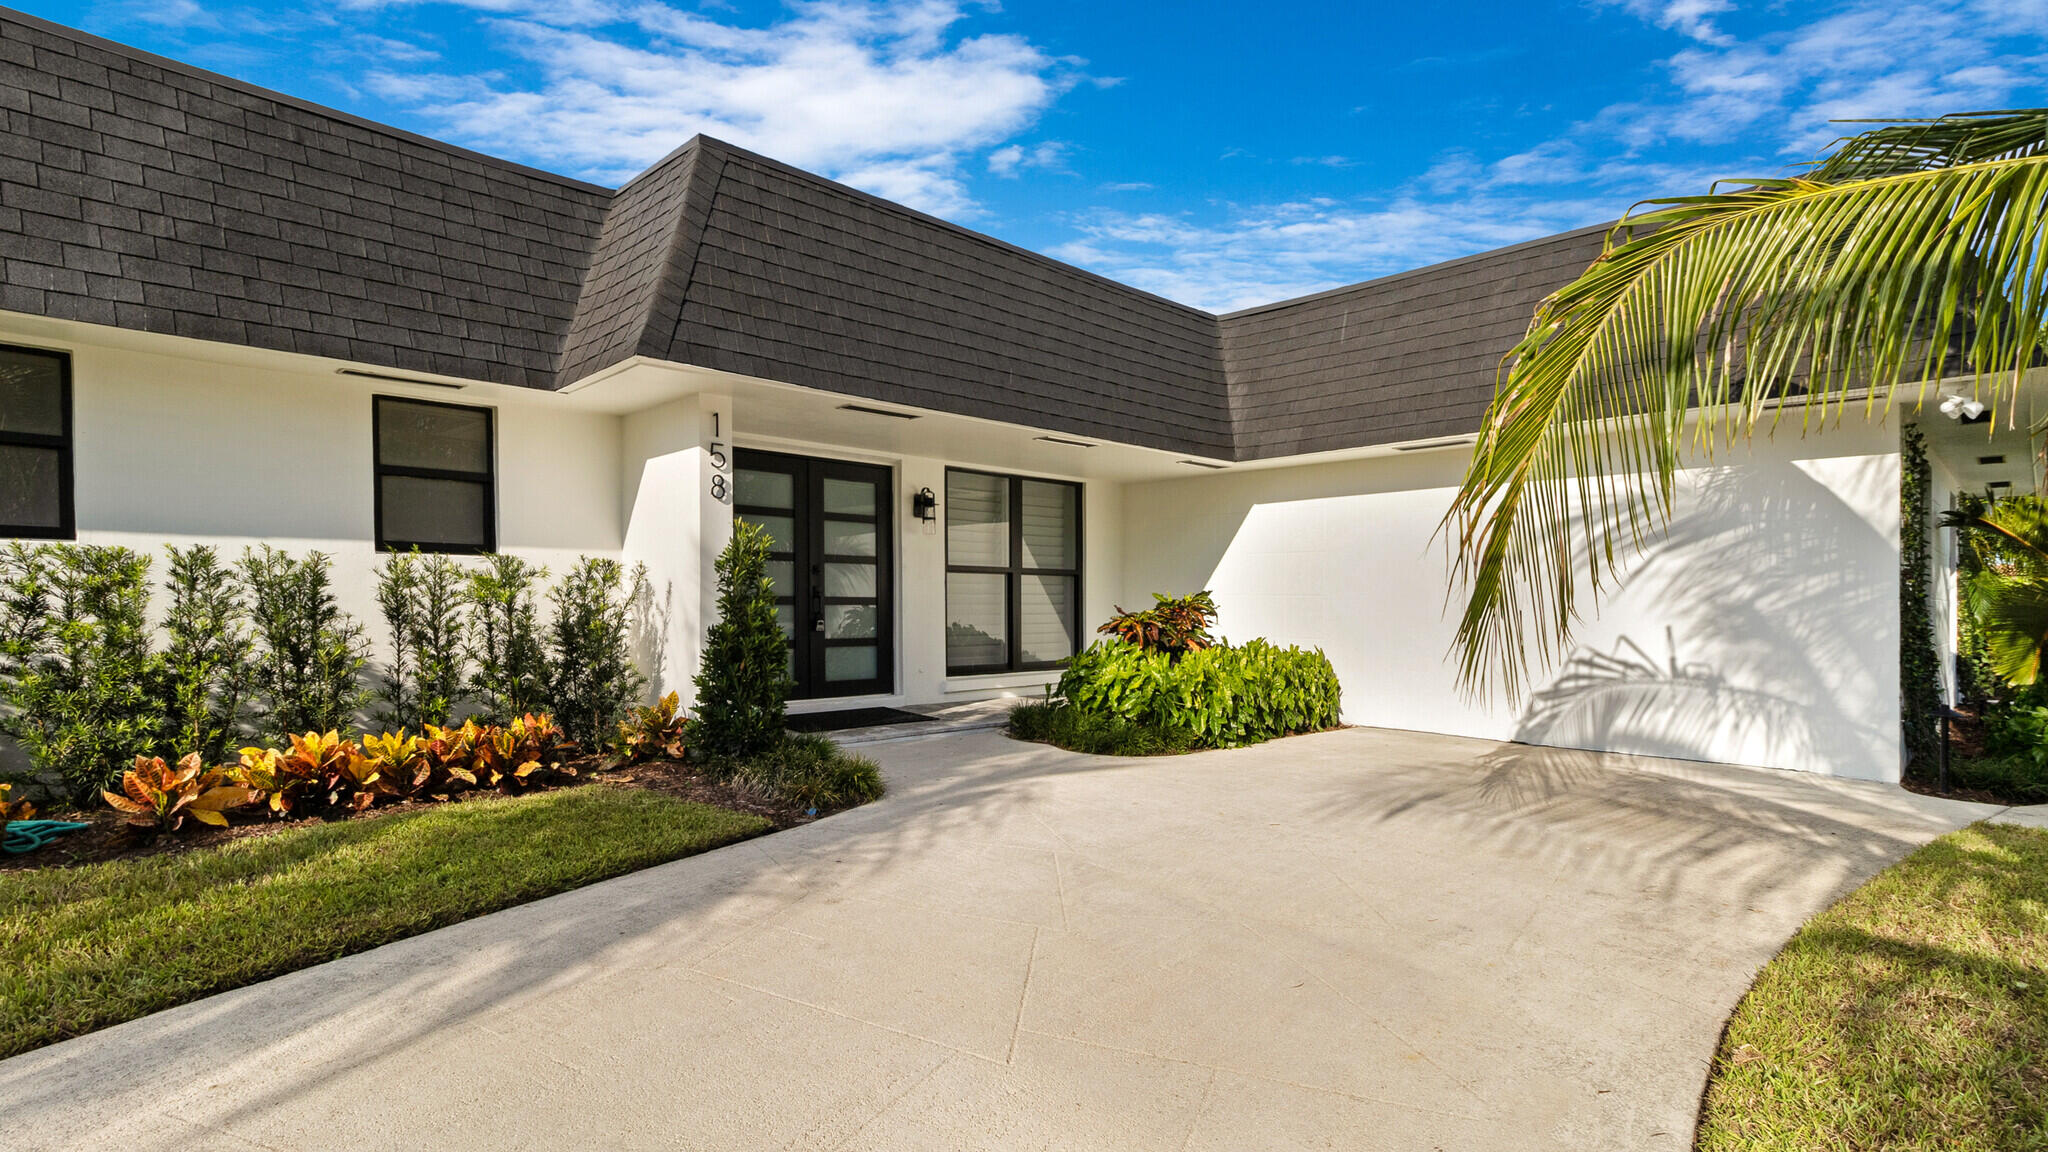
[830, 565]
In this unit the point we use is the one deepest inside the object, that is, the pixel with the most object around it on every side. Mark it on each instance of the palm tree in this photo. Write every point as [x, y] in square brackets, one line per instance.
[2007, 598]
[1909, 247]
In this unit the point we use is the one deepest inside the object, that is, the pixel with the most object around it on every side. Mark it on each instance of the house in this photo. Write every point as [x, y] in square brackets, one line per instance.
[231, 316]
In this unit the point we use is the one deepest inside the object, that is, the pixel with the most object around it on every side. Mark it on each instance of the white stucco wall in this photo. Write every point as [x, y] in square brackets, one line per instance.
[1762, 630]
[675, 526]
[174, 450]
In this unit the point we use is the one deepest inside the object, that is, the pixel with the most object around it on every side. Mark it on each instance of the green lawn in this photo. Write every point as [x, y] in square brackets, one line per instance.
[1912, 1015]
[83, 948]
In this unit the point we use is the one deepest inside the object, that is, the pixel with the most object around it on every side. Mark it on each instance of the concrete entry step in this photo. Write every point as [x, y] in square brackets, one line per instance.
[944, 719]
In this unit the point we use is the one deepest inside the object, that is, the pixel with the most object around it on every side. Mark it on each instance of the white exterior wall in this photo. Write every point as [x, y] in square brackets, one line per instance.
[1763, 630]
[170, 450]
[676, 526]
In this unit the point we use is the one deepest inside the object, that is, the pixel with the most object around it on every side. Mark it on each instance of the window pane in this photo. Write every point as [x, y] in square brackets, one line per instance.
[1045, 627]
[765, 489]
[782, 574]
[785, 615]
[31, 392]
[977, 520]
[430, 436]
[30, 487]
[1048, 525]
[849, 621]
[977, 620]
[850, 663]
[850, 497]
[428, 512]
[849, 538]
[781, 530]
[852, 580]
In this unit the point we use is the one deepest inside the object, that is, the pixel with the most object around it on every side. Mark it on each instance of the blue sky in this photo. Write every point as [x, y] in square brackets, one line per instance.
[1220, 154]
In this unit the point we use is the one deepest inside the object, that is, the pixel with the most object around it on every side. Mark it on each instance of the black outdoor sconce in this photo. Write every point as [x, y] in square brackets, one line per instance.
[924, 505]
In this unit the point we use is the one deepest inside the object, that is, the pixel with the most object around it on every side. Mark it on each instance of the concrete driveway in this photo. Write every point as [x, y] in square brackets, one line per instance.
[1362, 939]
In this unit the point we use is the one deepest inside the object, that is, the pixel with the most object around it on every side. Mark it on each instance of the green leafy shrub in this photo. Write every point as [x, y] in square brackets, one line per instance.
[1060, 723]
[208, 673]
[1174, 624]
[510, 676]
[810, 772]
[744, 680]
[1222, 696]
[83, 689]
[309, 654]
[590, 650]
[424, 615]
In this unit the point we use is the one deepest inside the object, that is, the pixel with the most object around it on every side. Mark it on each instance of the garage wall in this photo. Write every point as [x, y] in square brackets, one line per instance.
[1762, 630]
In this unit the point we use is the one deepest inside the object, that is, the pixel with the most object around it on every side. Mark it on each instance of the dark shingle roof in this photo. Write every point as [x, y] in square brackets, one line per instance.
[137, 192]
[802, 280]
[1406, 357]
[141, 193]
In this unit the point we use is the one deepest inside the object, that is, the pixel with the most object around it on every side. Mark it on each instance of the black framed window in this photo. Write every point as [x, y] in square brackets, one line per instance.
[1013, 572]
[436, 476]
[35, 444]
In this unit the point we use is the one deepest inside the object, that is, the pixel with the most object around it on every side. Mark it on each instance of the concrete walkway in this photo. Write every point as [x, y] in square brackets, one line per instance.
[1358, 940]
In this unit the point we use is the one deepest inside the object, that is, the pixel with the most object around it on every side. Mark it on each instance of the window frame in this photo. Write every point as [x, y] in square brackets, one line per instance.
[488, 479]
[1015, 571]
[67, 514]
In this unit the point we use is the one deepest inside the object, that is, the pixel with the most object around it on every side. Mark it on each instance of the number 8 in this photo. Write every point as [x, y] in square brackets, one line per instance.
[718, 487]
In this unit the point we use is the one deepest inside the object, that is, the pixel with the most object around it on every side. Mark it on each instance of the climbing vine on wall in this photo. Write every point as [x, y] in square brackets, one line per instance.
[1919, 667]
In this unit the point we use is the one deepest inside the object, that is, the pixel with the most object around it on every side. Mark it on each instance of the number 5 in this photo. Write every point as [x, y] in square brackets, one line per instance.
[718, 459]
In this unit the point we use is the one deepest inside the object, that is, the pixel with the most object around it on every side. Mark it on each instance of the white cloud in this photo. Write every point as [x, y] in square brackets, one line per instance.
[1257, 255]
[1012, 159]
[883, 95]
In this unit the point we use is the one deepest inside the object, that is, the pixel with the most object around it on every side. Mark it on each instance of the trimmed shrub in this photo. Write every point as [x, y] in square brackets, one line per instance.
[208, 674]
[1222, 696]
[594, 683]
[83, 689]
[744, 681]
[309, 654]
[425, 612]
[511, 666]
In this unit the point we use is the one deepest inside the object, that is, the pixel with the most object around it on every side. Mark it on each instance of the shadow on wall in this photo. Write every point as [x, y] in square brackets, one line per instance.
[1779, 611]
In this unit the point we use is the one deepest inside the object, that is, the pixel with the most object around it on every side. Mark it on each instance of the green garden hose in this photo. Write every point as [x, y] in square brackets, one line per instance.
[29, 835]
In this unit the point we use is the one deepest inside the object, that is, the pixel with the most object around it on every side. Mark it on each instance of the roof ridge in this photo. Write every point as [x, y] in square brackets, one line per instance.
[104, 44]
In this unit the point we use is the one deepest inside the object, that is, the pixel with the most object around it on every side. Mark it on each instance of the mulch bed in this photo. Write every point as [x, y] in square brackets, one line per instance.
[109, 839]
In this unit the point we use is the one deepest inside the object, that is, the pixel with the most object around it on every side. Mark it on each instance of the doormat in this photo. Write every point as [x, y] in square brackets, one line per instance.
[850, 718]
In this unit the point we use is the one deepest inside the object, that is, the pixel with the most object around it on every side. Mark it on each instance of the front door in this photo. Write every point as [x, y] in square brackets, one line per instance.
[830, 564]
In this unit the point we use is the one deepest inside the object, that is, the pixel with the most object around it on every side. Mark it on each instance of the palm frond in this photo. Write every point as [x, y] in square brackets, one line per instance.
[1704, 314]
[2010, 538]
[1943, 142]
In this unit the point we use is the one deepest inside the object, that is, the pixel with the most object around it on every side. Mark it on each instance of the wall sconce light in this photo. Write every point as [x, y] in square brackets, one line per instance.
[925, 506]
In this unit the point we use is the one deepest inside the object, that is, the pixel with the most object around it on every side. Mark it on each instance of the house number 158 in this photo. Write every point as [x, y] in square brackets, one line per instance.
[721, 465]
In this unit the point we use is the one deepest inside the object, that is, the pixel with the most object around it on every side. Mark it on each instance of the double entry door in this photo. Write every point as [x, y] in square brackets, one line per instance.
[828, 523]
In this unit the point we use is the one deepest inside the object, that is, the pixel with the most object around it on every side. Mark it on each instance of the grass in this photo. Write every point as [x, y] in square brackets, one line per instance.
[83, 948]
[1912, 1015]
